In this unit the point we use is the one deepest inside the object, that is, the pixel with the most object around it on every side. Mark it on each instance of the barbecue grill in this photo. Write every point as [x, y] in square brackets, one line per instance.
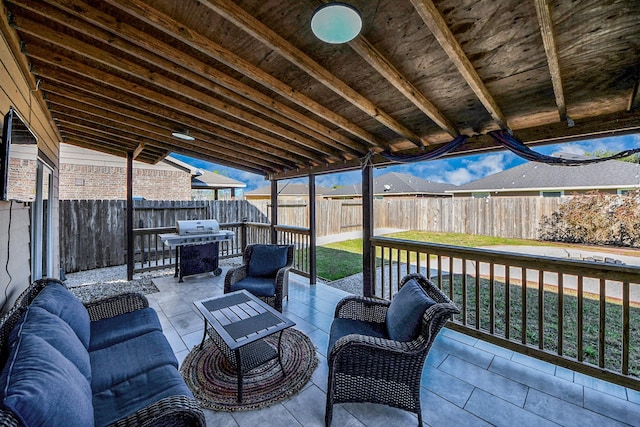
[197, 246]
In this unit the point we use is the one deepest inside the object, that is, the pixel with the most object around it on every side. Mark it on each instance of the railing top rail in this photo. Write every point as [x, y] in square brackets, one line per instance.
[616, 272]
[302, 230]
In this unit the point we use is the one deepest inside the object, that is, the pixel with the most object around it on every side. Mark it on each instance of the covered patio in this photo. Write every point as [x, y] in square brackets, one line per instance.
[466, 381]
[248, 85]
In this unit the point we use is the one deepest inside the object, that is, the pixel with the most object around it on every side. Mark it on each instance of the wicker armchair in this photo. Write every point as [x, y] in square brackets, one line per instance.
[271, 284]
[372, 367]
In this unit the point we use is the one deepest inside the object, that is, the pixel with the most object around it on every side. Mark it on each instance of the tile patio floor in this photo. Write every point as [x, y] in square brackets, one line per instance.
[466, 382]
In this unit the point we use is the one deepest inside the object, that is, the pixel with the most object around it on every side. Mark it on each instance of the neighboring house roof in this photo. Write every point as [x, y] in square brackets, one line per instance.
[532, 176]
[287, 189]
[396, 184]
[179, 163]
[214, 181]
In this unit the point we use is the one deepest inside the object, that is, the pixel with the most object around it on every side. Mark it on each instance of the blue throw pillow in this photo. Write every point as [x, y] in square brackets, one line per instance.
[56, 299]
[41, 387]
[266, 260]
[404, 315]
[56, 332]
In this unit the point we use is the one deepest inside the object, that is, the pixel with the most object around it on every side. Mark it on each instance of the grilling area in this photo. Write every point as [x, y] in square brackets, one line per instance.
[251, 85]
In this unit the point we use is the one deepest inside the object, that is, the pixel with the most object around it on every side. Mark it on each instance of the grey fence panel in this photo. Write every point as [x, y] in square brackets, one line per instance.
[93, 233]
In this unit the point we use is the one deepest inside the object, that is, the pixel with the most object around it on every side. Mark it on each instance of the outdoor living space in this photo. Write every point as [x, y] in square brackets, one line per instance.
[465, 381]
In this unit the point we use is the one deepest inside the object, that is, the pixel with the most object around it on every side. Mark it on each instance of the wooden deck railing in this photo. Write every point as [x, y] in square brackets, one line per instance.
[151, 254]
[582, 315]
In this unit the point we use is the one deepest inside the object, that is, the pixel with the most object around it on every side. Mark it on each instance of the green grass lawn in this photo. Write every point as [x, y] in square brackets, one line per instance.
[342, 259]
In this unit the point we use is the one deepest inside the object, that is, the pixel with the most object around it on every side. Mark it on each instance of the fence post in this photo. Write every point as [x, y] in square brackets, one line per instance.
[243, 235]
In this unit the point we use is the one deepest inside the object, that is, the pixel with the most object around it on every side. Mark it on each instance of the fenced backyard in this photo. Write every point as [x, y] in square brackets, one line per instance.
[581, 315]
[93, 234]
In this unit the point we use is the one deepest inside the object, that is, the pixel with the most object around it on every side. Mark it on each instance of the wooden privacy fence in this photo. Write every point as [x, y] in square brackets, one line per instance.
[92, 232]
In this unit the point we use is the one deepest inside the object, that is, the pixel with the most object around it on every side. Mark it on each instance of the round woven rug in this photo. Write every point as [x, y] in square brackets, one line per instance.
[214, 382]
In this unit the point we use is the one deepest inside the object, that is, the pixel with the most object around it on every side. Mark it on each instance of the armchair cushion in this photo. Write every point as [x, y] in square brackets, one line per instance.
[42, 387]
[404, 315]
[266, 260]
[258, 286]
[343, 327]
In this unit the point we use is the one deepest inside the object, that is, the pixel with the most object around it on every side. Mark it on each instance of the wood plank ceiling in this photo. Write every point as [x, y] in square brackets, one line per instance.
[259, 92]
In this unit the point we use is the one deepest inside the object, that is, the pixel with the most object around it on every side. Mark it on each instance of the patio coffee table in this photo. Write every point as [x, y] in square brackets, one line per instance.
[237, 323]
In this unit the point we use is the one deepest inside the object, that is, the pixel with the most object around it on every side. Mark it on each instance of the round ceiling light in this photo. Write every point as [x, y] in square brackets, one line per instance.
[184, 135]
[336, 22]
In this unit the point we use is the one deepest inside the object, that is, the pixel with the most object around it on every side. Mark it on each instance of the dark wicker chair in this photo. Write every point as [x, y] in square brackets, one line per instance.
[279, 280]
[364, 368]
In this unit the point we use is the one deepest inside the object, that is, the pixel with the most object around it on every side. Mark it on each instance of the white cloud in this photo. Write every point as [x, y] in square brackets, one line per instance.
[487, 165]
[459, 176]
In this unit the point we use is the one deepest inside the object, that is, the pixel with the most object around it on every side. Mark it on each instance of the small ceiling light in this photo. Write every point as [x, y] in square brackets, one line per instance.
[336, 22]
[184, 135]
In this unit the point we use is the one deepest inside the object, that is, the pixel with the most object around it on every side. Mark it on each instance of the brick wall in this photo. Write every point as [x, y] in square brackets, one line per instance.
[92, 182]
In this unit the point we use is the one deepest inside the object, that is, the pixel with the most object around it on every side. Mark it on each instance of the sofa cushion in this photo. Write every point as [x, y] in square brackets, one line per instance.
[57, 333]
[343, 327]
[42, 387]
[266, 260]
[125, 360]
[137, 392]
[404, 316]
[56, 299]
[258, 286]
[112, 330]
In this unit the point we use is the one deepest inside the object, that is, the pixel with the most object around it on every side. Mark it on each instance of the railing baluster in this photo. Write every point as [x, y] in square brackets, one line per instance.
[464, 291]
[451, 282]
[626, 327]
[390, 273]
[492, 299]
[398, 272]
[478, 295]
[523, 288]
[580, 319]
[602, 324]
[560, 314]
[507, 301]
[540, 309]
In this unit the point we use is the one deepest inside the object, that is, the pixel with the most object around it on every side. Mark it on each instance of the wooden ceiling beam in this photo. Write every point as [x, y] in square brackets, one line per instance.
[549, 41]
[102, 78]
[42, 34]
[214, 51]
[89, 21]
[382, 65]
[265, 35]
[96, 145]
[160, 117]
[99, 115]
[138, 151]
[71, 128]
[438, 27]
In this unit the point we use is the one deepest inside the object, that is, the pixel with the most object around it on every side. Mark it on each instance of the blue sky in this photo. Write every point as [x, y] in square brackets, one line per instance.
[458, 171]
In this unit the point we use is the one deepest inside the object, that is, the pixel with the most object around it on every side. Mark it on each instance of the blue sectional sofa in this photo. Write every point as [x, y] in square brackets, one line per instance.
[104, 363]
